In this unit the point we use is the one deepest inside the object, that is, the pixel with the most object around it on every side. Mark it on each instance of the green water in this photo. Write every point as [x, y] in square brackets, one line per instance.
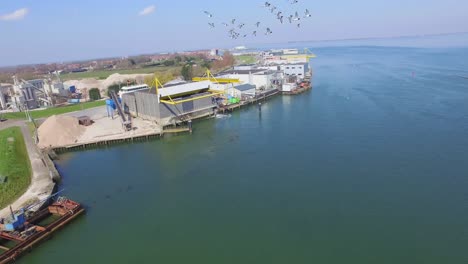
[369, 167]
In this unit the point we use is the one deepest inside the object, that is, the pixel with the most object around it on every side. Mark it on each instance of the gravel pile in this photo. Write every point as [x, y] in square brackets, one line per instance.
[59, 131]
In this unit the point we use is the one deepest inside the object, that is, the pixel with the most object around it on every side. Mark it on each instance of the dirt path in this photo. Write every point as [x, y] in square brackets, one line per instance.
[41, 183]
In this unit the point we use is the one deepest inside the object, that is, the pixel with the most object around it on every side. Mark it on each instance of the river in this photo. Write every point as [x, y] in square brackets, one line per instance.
[369, 167]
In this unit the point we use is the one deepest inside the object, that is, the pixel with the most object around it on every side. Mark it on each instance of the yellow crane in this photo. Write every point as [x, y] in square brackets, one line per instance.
[309, 54]
[157, 84]
[208, 76]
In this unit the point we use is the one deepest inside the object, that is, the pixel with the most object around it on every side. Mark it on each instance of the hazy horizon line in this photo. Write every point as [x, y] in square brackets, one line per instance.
[254, 46]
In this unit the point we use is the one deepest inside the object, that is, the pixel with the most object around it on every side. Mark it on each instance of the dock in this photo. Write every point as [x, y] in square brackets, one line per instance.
[261, 97]
[107, 142]
[120, 140]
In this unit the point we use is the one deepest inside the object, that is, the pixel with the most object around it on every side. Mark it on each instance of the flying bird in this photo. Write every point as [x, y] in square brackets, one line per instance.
[296, 17]
[290, 19]
[272, 9]
[208, 13]
[267, 4]
[241, 25]
[294, 2]
[299, 25]
[225, 24]
[281, 19]
[254, 33]
[257, 24]
[307, 13]
[268, 31]
[212, 25]
[278, 15]
[233, 21]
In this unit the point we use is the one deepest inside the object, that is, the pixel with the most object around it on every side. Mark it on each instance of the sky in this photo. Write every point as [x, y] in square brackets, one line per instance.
[44, 31]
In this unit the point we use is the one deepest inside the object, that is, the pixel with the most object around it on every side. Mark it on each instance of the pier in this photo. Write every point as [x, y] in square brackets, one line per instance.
[262, 97]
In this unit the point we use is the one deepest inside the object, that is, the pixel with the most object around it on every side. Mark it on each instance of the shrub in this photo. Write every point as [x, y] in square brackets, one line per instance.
[94, 94]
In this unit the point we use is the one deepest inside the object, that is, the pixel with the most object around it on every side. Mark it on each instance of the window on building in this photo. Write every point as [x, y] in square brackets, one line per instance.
[294, 68]
[287, 68]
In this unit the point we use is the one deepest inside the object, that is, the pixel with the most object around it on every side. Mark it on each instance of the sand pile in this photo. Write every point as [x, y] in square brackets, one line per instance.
[104, 84]
[59, 131]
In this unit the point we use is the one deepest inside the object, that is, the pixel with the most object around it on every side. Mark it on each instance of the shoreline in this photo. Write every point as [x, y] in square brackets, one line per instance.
[42, 184]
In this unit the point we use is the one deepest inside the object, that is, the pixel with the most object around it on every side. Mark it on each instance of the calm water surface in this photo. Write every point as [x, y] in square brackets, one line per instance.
[369, 167]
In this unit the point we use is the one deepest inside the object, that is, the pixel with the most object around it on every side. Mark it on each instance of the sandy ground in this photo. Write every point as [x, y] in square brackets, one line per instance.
[104, 84]
[41, 183]
[106, 128]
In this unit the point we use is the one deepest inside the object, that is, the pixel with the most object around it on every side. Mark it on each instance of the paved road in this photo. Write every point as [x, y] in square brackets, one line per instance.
[41, 182]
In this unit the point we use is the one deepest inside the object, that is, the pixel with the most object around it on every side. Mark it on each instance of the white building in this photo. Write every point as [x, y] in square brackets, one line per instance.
[290, 51]
[298, 69]
[214, 52]
[242, 91]
[55, 88]
[263, 79]
[288, 87]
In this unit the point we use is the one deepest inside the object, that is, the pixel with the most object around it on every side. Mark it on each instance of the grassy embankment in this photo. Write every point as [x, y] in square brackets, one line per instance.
[245, 59]
[103, 74]
[14, 164]
[55, 110]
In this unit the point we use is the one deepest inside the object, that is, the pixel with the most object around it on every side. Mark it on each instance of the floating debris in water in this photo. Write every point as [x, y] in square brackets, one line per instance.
[221, 116]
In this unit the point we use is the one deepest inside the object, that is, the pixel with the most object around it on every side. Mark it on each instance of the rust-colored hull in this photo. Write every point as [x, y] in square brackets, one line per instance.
[298, 90]
[67, 210]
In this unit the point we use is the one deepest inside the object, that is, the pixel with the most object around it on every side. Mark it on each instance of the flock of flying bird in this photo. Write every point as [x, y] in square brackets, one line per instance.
[234, 31]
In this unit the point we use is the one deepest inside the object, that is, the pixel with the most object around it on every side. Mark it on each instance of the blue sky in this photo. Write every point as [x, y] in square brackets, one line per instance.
[54, 31]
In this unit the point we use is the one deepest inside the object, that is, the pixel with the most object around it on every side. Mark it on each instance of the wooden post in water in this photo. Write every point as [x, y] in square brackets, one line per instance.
[190, 125]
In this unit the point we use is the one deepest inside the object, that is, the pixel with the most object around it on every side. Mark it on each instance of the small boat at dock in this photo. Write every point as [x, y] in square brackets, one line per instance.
[23, 230]
[299, 88]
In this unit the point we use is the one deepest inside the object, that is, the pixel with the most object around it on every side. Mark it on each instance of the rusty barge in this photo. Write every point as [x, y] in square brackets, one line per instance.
[22, 232]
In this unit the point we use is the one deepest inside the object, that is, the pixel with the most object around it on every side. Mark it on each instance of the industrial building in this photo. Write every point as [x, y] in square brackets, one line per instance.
[263, 79]
[298, 69]
[33, 93]
[173, 104]
[287, 76]
[242, 91]
[286, 56]
[5, 91]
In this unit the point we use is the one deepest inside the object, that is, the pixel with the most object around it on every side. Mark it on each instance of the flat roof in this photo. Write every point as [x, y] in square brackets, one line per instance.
[297, 63]
[177, 89]
[245, 87]
[253, 71]
[135, 86]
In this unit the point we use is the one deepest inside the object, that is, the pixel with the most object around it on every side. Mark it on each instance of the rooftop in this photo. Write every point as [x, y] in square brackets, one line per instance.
[179, 89]
[253, 71]
[135, 86]
[245, 87]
